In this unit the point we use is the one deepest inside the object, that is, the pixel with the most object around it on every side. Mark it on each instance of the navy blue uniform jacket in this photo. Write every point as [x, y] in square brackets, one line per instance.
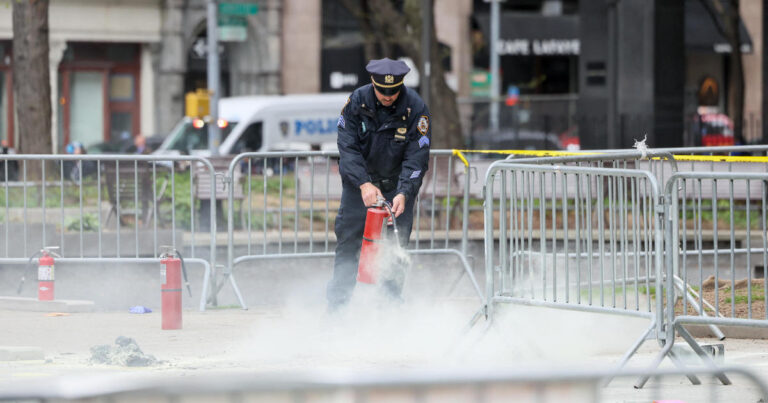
[392, 145]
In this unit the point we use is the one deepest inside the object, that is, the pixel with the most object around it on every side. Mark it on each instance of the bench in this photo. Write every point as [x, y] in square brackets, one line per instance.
[130, 191]
[202, 188]
[202, 180]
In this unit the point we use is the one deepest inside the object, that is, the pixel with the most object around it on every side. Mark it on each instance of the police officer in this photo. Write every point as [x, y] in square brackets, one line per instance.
[384, 137]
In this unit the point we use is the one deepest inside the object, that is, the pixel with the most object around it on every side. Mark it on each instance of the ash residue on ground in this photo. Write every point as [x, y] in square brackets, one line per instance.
[125, 352]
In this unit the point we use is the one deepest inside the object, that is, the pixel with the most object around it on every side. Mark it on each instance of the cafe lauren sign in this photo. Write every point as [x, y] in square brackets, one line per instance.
[232, 22]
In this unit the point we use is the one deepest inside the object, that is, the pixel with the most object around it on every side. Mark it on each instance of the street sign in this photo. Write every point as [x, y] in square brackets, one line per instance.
[480, 83]
[238, 9]
[232, 27]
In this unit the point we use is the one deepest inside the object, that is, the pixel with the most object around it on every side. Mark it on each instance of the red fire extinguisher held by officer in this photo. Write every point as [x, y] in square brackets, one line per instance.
[368, 267]
[45, 273]
[171, 269]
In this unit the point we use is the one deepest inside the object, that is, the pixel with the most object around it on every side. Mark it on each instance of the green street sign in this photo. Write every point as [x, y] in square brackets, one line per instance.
[238, 9]
[480, 83]
[233, 28]
[232, 20]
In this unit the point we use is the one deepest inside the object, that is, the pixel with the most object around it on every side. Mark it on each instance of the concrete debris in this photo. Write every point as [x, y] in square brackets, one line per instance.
[126, 352]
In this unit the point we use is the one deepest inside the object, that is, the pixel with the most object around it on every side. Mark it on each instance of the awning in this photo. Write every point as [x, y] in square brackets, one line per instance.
[702, 33]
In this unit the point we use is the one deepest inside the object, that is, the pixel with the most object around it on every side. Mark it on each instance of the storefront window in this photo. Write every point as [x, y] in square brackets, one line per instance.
[121, 87]
[100, 92]
[120, 125]
[87, 106]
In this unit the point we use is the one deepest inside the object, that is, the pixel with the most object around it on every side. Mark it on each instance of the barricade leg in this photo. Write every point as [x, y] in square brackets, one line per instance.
[679, 364]
[656, 362]
[227, 275]
[679, 285]
[628, 355]
[703, 355]
[205, 291]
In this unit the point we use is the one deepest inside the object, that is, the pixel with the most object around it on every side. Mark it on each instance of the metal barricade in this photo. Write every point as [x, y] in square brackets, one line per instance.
[659, 161]
[661, 164]
[493, 385]
[712, 243]
[101, 209]
[580, 238]
[289, 202]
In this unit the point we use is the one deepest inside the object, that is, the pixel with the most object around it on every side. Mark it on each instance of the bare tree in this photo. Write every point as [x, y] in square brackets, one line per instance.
[31, 78]
[729, 28]
[386, 24]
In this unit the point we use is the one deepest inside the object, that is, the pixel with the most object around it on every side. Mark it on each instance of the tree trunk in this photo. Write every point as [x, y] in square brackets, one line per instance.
[446, 130]
[31, 77]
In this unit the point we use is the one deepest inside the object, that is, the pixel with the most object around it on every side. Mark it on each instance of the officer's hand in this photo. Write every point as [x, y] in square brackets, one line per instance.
[398, 205]
[370, 193]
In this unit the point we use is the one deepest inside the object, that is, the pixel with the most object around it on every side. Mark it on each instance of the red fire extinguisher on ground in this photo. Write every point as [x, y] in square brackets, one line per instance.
[45, 273]
[171, 269]
[367, 269]
[45, 276]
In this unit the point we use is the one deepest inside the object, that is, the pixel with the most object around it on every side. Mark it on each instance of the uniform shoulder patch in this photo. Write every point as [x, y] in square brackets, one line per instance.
[341, 123]
[345, 105]
[423, 125]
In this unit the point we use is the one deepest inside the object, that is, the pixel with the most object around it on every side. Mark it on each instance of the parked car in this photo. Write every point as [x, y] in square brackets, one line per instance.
[508, 139]
[124, 146]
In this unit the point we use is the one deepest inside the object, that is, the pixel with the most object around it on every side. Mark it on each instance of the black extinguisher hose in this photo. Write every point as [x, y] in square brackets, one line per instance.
[30, 263]
[387, 205]
[184, 272]
[391, 214]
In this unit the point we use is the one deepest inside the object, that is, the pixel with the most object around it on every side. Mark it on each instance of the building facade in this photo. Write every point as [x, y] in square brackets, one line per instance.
[120, 68]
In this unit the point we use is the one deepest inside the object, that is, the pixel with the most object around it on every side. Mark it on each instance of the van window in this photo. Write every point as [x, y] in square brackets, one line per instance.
[250, 140]
[191, 138]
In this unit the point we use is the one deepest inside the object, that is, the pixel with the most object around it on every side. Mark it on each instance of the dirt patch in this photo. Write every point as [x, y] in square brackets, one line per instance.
[727, 305]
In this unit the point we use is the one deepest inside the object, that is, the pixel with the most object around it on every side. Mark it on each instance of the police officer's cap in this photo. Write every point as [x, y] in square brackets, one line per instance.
[387, 74]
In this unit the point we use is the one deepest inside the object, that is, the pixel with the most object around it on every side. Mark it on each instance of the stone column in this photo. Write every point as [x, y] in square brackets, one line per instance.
[170, 58]
[301, 46]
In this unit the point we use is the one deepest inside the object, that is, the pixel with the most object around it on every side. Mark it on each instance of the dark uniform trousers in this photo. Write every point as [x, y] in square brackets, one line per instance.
[350, 223]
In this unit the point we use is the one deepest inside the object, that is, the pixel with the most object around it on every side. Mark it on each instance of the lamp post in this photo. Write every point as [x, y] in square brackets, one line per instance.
[213, 78]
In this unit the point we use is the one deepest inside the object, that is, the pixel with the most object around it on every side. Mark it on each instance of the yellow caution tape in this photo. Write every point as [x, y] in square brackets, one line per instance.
[552, 153]
[461, 157]
[721, 158]
[536, 153]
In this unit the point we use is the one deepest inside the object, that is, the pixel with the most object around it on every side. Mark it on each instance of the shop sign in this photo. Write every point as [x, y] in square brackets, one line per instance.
[539, 47]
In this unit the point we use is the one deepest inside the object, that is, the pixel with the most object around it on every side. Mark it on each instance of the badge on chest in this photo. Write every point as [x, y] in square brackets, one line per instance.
[400, 134]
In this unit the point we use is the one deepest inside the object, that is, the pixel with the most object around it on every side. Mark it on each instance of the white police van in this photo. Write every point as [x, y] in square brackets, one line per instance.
[263, 123]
